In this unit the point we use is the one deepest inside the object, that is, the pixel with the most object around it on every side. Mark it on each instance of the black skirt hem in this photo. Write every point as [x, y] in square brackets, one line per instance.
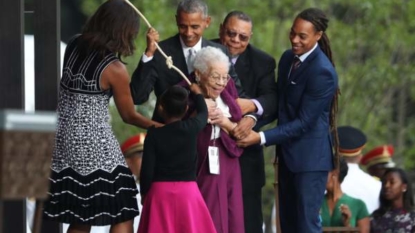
[99, 198]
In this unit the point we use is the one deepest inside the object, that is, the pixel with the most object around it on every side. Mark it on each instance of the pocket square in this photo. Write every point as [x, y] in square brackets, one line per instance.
[293, 83]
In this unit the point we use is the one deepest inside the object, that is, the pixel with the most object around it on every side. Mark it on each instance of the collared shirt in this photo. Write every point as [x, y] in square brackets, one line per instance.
[196, 48]
[234, 59]
[185, 49]
[305, 55]
[225, 110]
[302, 59]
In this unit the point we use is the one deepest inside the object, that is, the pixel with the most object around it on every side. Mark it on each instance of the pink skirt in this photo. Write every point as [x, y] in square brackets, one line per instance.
[175, 207]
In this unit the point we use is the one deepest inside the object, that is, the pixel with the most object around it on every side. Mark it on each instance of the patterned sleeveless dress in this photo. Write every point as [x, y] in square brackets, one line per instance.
[90, 182]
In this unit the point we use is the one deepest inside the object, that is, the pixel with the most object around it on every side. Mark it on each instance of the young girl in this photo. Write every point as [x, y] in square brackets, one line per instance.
[172, 200]
[396, 212]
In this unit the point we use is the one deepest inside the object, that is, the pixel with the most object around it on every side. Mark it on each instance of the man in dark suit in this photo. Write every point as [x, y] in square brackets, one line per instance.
[256, 70]
[307, 102]
[152, 72]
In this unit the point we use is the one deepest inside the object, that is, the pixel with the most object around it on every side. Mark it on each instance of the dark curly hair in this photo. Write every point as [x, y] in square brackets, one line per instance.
[174, 101]
[113, 27]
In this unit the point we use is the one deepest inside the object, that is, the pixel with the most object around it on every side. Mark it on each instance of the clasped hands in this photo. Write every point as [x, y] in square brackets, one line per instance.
[241, 131]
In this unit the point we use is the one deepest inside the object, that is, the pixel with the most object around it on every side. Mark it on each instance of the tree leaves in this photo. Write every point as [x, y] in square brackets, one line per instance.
[373, 47]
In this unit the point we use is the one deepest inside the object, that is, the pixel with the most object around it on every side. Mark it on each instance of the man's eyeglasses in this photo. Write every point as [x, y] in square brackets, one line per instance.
[233, 34]
[218, 78]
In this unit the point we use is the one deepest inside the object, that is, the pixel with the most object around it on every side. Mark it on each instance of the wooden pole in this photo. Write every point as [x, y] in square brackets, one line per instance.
[277, 199]
[47, 76]
[12, 210]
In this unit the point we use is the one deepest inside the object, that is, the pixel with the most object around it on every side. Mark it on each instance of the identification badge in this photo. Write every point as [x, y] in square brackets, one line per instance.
[213, 153]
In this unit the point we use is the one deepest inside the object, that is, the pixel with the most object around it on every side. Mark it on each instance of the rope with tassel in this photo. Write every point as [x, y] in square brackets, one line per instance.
[169, 60]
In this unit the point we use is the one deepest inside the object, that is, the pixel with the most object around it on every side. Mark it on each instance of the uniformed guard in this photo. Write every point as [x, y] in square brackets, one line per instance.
[357, 183]
[132, 149]
[378, 160]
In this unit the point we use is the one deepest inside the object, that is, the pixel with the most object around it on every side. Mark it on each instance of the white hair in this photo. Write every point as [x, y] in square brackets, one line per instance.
[207, 56]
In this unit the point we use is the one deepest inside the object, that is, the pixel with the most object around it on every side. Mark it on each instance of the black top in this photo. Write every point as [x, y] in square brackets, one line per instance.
[82, 69]
[170, 151]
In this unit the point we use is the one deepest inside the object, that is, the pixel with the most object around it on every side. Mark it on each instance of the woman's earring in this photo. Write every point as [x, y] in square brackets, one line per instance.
[404, 190]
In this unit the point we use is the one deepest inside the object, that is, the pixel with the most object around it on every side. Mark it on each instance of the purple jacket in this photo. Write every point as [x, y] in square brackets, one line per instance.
[229, 96]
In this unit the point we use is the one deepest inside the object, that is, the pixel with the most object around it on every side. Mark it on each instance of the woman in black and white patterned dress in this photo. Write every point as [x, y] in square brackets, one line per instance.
[90, 181]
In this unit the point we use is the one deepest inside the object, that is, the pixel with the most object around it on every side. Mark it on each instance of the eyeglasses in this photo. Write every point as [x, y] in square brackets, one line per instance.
[217, 78]
[233, 34]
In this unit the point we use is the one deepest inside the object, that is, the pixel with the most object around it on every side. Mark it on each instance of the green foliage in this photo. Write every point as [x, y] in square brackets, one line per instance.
[372, 43]
[123, 131]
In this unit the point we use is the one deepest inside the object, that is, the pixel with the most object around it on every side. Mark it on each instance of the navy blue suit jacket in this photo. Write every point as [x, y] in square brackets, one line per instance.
[304, 102]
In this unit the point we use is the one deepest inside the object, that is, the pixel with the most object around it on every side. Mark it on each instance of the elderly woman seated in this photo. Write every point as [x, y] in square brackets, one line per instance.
[219, 175]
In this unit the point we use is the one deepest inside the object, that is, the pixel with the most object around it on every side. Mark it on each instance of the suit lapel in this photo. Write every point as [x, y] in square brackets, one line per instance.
[204, 43]
[176, 51]
[284, 73]
[297, 74]
[242, 67]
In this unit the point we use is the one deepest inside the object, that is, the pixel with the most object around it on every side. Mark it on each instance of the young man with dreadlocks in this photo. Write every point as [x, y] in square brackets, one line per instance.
[307, 104]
